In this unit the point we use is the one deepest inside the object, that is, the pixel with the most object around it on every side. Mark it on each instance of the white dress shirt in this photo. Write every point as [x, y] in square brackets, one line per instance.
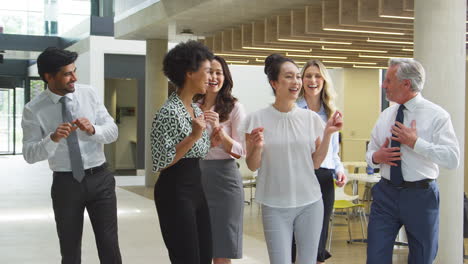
[43, 115]
[436, 145]
[286, 176]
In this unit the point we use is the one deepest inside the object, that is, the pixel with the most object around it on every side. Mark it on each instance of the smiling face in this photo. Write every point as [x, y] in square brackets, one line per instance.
[62, 82]
[199, 80]
[216, 78]
[289, 82]
[398, 91]
[313, 81]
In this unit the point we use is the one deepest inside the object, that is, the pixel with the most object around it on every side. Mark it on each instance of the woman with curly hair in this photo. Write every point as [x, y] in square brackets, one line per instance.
[178, 141]
[221, 178]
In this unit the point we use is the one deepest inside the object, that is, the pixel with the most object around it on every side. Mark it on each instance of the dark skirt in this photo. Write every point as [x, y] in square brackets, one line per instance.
[224, 192]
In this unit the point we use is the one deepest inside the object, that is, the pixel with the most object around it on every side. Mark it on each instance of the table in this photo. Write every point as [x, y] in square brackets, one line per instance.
[354, 164]
[363, 177]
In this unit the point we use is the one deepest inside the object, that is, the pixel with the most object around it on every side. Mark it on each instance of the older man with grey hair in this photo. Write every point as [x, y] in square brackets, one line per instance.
[409, 142]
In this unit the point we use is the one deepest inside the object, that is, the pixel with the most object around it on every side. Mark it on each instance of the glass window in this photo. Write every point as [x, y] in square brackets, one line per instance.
[37, 86]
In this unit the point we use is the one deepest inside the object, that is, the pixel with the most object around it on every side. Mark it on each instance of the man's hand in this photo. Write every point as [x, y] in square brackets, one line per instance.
[62, 131]
[386, 155]
[84, 125]
[405, 135]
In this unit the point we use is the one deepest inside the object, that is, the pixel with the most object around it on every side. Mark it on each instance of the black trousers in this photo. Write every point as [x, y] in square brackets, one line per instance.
[96, 193]
[325, 179]
[183, 213]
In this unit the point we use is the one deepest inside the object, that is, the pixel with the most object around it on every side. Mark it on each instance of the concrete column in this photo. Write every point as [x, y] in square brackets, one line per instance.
[439, 44]
[155, 96]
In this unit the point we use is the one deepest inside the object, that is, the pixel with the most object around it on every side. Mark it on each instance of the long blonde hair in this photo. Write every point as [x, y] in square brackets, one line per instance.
[328, 94]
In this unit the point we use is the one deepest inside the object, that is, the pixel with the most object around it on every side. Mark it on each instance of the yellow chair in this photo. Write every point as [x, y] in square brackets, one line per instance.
[348, 207]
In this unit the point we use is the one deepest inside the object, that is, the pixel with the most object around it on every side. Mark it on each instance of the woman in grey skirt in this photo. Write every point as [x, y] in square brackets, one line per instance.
[221, 178]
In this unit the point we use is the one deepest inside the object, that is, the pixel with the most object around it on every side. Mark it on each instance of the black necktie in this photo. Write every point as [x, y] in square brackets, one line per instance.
[396, 175]
[72, 143]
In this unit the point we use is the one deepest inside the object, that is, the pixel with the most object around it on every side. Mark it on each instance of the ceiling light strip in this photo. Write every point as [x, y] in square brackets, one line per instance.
[354, 50]
[350, 62]
[368, 67]
[315, 56]
[316, 41]
[390, 41]
[240, 55]
[277, 49]
[238, 61]
[364, 31]
[382, 57]
[399, 17]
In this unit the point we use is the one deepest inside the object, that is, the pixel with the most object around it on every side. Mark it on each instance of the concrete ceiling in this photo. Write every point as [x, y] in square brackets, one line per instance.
[342, 33]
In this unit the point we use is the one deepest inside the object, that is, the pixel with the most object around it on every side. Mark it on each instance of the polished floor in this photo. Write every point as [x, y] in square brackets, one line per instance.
[28, 235]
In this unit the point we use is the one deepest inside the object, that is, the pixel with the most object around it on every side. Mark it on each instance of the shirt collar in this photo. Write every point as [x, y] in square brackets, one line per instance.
[55, 97]
[413, 103]
[302, 103]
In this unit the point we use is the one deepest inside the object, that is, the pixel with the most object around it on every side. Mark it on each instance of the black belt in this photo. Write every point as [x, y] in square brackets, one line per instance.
[325, 169]
[89, 171]
[422, 184]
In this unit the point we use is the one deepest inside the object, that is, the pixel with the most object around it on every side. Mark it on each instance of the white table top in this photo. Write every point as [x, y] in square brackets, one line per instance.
[355, 163]
[364, 177]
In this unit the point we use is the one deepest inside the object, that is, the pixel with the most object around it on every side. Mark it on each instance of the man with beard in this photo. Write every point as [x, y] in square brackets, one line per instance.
[67, 125]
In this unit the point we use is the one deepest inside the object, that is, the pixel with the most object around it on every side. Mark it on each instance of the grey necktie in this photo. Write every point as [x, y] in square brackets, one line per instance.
[72, 142]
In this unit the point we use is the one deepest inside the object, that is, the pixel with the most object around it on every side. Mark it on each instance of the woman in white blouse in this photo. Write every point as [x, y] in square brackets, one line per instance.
[286, 143]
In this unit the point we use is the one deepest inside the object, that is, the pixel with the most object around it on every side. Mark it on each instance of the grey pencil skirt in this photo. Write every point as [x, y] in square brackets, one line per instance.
[222, 184]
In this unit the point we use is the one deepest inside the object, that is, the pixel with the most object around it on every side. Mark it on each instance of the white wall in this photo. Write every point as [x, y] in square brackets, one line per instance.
[251, 87]
[91, 57]
[253, 91]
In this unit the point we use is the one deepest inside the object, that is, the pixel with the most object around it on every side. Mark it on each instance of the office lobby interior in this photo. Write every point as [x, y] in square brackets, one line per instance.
[121, 44]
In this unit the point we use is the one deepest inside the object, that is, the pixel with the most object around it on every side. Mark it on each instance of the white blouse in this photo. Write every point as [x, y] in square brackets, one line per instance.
[286, 176]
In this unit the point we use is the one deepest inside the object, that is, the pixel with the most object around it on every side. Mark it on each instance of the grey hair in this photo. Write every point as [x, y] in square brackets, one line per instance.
[409, 69]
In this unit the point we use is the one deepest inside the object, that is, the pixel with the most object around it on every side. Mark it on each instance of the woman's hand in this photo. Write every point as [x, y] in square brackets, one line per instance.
[335, 123]
[217, 136]
[198, 125]
[212, 118]
[340, 179]
[256, 137]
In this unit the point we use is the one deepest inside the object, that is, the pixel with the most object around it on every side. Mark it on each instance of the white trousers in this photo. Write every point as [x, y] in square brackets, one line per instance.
[279, 225]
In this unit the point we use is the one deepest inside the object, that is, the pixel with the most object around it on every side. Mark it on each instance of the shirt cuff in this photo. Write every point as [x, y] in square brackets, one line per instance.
[420, 146]
[370, 161]
[97, 133]
[49, 145]
[237, 149]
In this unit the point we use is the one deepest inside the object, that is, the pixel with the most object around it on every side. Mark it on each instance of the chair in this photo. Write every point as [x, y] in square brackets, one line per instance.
[249, 179]
[344, 202]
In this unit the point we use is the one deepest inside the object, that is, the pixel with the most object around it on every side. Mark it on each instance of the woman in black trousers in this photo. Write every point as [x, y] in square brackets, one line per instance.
[318, 95]
[178, 142]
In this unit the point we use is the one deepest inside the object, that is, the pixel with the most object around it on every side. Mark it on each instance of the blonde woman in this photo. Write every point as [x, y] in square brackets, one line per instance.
[318, 95]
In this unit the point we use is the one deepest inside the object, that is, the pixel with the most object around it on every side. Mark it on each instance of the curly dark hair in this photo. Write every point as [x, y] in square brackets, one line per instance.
[273, 67]
[224, 100]
[184, 57]
[52, 59]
